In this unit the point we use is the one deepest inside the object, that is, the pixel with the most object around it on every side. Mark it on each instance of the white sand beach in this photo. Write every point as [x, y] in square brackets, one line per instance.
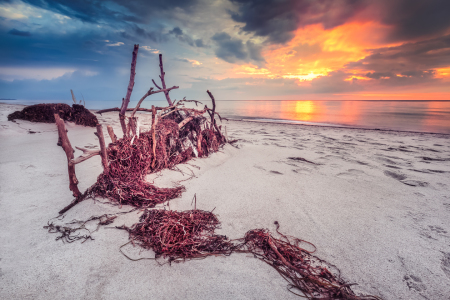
[376, 204]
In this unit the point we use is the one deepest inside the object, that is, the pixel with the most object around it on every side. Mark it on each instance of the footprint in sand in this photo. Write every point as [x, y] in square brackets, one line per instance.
[304, 171]
[351, 173]
[414, 283]
[276, 172]
[445, 264]
[403, 179]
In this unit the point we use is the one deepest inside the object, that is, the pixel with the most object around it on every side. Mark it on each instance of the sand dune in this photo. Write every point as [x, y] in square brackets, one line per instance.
[375, 203]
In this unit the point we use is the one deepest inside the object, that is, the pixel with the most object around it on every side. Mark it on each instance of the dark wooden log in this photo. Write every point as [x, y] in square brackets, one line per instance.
[65, 144]
[104, 155]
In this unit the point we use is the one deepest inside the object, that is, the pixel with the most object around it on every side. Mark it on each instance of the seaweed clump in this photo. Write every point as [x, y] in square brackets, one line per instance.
[44, 113]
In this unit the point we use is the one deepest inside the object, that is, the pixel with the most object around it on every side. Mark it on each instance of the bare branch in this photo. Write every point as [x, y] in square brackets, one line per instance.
[163, 81]
[73, 97]
[184, 122]
[111, 133]
[101, 139]
[157, 86]
[65, 144]
[140, 101]
[131, 83]
[86, 155]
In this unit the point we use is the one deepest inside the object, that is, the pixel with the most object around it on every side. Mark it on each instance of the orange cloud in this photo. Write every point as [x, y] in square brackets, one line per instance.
[315, 51]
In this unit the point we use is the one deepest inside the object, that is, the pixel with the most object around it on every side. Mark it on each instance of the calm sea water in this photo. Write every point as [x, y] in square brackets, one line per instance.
[420, 116]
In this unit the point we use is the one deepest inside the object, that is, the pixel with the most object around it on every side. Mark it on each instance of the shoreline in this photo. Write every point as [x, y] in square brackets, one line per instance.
[291, 121]
[370, 202]
[305, 123]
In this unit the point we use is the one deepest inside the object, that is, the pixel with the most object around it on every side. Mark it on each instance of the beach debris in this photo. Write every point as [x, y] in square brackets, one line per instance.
[70, 234]
[44, 113]
[308, 276]
[179, 236]
[177, 134]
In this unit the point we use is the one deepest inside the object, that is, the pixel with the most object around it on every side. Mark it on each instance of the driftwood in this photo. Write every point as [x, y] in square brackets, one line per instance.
[166, 93]
[213, 114]
[111, 133]
[73, 97]
[86, 155]
[177, 134]
[126, 100]
[65, 144]
[101, 140]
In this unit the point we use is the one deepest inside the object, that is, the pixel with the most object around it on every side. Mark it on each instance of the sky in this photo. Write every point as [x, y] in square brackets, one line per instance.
[238, 49]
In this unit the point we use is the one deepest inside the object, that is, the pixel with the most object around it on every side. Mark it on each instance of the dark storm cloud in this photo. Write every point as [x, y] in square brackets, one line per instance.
[95, 11]
[277, 19]
[176, 31]
[19, 32]
[229, 49]
[412, 19]
[183, 37]
[199, 43]
[232, 49]
[410, 59]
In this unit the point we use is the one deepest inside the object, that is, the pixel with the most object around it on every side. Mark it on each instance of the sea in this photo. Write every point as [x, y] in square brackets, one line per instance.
[401, 115]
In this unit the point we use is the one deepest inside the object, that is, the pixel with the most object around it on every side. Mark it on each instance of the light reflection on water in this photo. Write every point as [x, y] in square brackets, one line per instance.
[422, 116]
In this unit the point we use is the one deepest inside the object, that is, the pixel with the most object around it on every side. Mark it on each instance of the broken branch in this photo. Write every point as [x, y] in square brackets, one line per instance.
[86, 155]
[65, 144]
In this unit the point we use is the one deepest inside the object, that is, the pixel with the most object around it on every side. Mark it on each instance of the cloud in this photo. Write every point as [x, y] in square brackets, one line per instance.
[412, 19]
[199, 43]
[19, 32]
[278, 19]
[254, 51]
[20, 73]
[229, 49]
[183, 37]
[115, 44]
[176, 31]
[191, 61]
[137, 11]
[410, 59]
[148, 48]
[232, 49]
[334, 82]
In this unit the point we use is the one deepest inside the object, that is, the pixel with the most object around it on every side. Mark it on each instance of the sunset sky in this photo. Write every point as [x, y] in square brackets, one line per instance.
[239, 49]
